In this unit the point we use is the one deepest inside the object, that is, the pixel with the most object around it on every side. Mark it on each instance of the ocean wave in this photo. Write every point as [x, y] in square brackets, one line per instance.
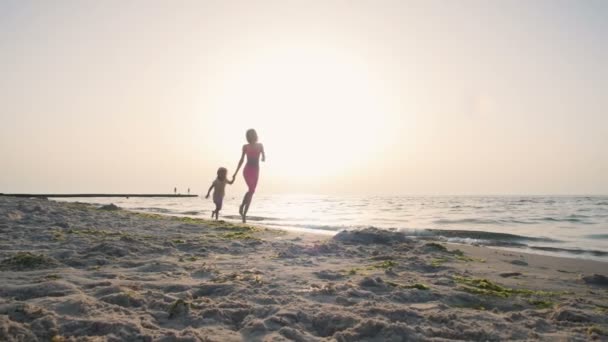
[466, 220]
[333, 228]
[156, 210]
[597, 236]
[251, 218]
[477, 235]
[475, 221]
[570, 219]
[570, 250]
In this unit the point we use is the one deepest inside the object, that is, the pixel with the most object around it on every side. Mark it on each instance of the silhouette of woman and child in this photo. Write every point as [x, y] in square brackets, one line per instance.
[251, 172]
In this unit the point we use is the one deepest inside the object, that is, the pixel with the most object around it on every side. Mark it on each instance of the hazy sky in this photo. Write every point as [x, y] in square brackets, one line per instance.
[382, 97]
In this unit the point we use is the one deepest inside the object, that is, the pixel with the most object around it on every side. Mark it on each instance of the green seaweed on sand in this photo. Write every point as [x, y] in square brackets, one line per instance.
[94, 232]
[601, 309]
[541, 304]
[238, 235]
[596, 329]
[178, 307]
[58, 236]
[418, 286]
[356, 270]
[236, 227]
[353, 271]
[384, 265]
[178, 241]
[486, 287]
[437, 262]
[190, 220]
[190, 258]
[197, 221]
[52, 277]
[26, 260]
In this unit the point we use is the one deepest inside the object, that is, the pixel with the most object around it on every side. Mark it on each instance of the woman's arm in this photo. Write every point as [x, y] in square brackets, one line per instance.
[263, 153]
[240, 162]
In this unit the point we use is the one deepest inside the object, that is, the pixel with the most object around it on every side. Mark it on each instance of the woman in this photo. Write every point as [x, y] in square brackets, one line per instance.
[251, 172]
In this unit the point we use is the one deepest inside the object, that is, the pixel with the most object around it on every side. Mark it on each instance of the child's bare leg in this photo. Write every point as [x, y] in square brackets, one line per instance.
[218, 207]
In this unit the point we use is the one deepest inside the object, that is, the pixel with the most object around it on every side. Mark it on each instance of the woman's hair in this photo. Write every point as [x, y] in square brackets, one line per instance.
[221, 173]
[252, 136]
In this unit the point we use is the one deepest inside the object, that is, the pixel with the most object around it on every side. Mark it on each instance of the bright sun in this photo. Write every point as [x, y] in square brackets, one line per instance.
[321, 109]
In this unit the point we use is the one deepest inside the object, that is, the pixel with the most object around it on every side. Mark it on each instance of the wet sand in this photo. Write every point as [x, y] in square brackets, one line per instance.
[76, 272]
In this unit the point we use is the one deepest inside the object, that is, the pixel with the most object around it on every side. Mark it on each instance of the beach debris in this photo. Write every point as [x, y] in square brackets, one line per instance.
[21, 261]
[14, 215]
[323, 289]
[179, 308]
[124, 299]
[329, 275]
[370, 236]
[62, 224]
[519, 262]
[597, 330]
[438, 247]
[596, 279]
[418, 286]
[569, 315]
[372, 282]
[509, 274]
[110, 207]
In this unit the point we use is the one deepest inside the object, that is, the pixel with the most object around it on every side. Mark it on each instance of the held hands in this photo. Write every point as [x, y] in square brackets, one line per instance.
[207, 196]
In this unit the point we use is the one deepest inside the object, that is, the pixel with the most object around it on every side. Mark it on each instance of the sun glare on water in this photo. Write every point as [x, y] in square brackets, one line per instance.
[319, 114]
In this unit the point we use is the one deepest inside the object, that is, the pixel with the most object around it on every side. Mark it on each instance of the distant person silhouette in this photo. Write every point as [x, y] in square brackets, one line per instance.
[188, 191]
[251, 172]
[175, 191]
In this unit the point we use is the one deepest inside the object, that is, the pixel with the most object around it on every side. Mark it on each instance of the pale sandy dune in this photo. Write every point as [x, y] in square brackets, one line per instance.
[73, 272]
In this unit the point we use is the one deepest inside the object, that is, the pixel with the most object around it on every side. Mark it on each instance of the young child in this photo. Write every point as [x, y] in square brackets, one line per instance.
[219, 184]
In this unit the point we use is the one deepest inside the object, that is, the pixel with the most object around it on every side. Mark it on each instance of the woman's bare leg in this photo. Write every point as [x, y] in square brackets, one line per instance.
[245, 206]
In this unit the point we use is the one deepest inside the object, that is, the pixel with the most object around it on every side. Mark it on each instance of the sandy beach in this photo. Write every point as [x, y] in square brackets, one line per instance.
[78, 272]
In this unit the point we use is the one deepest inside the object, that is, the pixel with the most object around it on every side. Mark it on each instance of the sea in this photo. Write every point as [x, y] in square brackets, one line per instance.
[571, 226]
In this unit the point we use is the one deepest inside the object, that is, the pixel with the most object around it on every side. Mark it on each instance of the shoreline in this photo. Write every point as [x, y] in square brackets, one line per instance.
[74, 271]
[589, 243]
